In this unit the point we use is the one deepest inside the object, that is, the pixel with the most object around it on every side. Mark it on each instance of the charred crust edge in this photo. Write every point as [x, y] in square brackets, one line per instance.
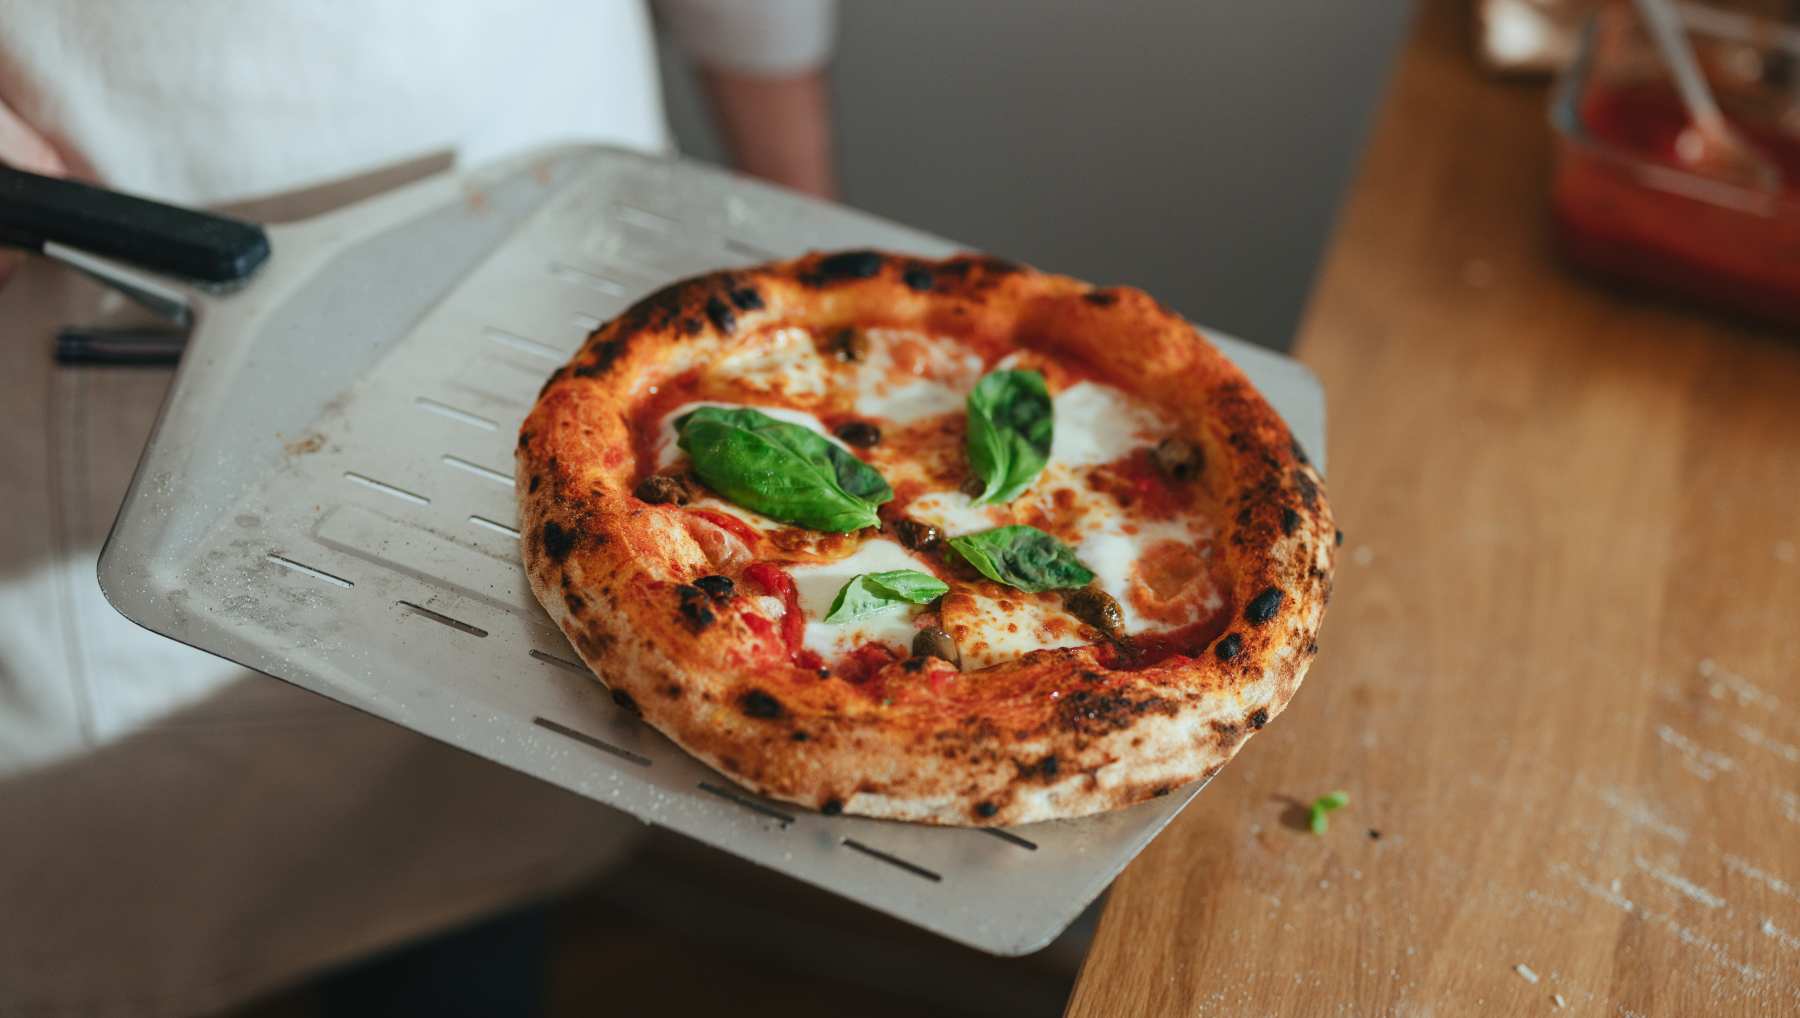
[557, 541]
[1264, 606]
[761, 705]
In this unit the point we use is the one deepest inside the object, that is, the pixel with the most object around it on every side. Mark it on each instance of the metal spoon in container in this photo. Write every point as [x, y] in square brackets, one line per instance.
[1709, 145]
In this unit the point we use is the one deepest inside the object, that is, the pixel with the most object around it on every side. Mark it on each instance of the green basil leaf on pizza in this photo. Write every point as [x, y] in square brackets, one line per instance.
[873, 593]
[1023, 557]
[784, 471]
[1010, 426]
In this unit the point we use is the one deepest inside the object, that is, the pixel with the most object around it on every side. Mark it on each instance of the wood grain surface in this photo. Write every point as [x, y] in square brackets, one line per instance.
[1559, 673]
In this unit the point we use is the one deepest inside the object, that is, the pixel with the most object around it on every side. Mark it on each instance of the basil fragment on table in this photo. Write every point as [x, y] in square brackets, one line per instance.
[784, 471]
[1011, 423]
[873, 593]
[1023, 557]
[1321, 808]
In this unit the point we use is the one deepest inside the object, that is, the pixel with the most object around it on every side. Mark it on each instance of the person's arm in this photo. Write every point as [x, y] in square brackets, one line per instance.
[22, 147]
[762, 65]
[776, 128]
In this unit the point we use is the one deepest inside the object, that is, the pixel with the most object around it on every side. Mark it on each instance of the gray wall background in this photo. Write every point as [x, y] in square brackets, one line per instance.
[1195, 148]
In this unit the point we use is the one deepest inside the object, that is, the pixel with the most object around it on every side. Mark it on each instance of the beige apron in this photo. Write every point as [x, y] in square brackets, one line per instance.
[178, 833]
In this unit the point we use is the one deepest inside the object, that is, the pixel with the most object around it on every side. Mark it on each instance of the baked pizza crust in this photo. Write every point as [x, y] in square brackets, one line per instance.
[1056, 733]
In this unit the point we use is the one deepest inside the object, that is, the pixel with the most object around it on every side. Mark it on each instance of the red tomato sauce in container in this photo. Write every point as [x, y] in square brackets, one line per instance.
[1627, 207]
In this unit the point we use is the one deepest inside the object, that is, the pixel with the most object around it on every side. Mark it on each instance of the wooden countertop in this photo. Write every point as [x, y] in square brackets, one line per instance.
[1560, 678]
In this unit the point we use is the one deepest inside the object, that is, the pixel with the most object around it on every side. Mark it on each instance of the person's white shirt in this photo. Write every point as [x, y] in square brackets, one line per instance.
[209, 101]
[178, 834]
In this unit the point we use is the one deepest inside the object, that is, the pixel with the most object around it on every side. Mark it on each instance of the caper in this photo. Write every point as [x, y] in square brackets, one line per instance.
[1097, 608]
[917, 536]
[849, 345]
[861, 434]
[662, 488]
[1178, 459]
[934, 642]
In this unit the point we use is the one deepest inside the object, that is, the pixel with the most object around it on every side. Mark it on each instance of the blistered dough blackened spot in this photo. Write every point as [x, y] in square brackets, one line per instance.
[624, 700]
[1101, 298]
[848, 265]
[719, 588]
[798, 736]
[557, 541]
[1091, 713]
[917, 278]
[1290, 521]
[1337, 539]
[719, 313]
[693, 607]
[605, 356]
[747, 299]
[1259, 718]
[1263, 606]
[986, 809]
[574, 602]
[692, 326]
[657, 310]
[1299, 451]
[536, 480]
[831, 807]
[1228, 646]
[1309, 488]
[758, 704]
[555, 376]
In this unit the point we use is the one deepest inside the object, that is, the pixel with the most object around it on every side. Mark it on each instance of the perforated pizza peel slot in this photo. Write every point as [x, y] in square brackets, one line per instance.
[586, 739]
[376, 561]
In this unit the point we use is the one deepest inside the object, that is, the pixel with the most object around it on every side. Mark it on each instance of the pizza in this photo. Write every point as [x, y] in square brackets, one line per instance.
[951, 541]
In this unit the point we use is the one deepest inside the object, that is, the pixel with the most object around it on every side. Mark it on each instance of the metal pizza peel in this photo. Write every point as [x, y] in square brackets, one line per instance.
[327, 497]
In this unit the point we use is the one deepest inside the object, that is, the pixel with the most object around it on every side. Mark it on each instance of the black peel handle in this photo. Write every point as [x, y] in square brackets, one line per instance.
[35, 210]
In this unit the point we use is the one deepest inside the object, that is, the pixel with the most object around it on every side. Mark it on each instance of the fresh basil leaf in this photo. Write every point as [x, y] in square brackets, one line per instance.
[911, 585]
[1317, 815]
[1011, 423]
[1023, 557]
[784, 471]
[873, 593]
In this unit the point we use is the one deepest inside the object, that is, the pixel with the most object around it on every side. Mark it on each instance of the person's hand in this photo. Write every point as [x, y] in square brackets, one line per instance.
[24, 148]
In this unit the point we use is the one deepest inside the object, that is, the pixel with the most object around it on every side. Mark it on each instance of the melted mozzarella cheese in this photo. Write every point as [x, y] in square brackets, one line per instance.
[990, 631]
[906, 377]
[908, 402]
[955, 513]
[780, 361]
[1114, 555]
[818, 586]
[1098, 424]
